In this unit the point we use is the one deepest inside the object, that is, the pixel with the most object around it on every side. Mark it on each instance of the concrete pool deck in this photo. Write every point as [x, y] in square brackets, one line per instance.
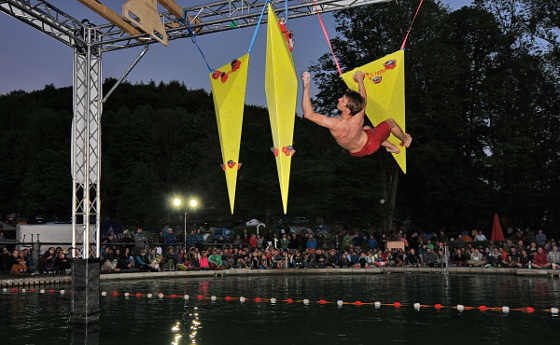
[48, 280]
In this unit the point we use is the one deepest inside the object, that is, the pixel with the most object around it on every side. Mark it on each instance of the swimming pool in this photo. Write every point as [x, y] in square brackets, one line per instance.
[33, 318]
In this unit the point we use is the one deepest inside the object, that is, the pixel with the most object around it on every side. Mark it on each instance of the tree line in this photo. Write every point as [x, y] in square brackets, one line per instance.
[482, 98]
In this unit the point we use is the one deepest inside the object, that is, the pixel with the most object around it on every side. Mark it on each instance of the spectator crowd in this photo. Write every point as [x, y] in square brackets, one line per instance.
[274, 250]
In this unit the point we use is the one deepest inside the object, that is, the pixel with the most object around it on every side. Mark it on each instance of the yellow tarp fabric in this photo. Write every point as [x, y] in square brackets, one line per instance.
[384, 84]
[228, 90]
[281, 86]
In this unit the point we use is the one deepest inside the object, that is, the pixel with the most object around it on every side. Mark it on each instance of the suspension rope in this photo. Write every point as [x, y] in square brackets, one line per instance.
[286, 12]
[410, 28]
[327, 37]
[258, 26]
[193, 37]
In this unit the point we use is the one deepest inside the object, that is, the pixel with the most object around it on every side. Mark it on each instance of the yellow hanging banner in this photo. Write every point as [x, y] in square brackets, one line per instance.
[229, 84]
[384, 82]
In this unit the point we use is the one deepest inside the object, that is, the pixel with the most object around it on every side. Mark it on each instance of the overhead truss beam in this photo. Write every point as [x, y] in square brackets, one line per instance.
[207, 18]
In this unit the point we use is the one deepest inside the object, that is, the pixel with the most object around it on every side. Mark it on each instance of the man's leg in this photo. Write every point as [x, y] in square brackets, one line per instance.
[397, 132]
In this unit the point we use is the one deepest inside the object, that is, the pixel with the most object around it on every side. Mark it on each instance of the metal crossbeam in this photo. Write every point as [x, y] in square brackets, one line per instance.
[46, 18]
[222, 16]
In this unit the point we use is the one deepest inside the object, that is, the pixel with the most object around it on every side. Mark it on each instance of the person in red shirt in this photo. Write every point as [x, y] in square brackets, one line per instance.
[541, 259]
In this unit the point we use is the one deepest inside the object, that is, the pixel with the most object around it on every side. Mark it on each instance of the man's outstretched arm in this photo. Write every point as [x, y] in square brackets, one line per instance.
[308, 111]
[359, 77]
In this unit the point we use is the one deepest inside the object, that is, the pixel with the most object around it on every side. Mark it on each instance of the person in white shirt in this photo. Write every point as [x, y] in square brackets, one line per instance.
[480, 236]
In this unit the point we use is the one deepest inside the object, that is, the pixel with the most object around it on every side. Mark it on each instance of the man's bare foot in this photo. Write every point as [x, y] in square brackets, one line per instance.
[392, 149]
[407, 140]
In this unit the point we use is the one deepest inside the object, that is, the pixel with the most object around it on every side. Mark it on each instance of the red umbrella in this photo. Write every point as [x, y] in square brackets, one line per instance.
[497, 234]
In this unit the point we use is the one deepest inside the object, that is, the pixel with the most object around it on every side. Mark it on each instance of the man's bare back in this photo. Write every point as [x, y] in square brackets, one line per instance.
[348, 130]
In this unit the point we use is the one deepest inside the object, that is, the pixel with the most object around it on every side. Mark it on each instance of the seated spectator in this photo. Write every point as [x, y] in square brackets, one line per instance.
[430, 258]
[142, 261]
[242, 260]
[332, 259]
[412, 259]
[109, 261]
[513, 258]
[458, 258]
[524, 260]
[319, 259]
[541, 259]
[215, 261]
[476, 259]
[298, 260]
[204, 261]
[47, 261]
[170, 260]
[362, 261]
[61, 263]
[17, 264]
[123, 261]
[554, 257]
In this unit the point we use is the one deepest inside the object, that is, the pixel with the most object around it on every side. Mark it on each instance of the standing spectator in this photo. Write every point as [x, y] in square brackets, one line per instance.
[5, 261]
[139, 240]
[260, 241]
[540, 238]
[199, 240]
[170, 239]
[2, 238]
[191, 240]
[460, 241]
[311, 243]
[284, 242]
[480, 236]
[372, 242]
[346, 242]
[337, 243]
[252, 243]
[321, 241]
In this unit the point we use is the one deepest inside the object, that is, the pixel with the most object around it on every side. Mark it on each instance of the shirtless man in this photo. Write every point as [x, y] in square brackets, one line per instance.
[348, 130]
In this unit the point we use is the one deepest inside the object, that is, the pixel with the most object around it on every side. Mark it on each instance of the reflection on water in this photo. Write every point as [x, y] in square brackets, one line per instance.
[31, 318]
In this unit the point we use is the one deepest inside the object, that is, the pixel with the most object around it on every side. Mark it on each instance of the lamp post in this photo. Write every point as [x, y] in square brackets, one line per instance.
[192, 203]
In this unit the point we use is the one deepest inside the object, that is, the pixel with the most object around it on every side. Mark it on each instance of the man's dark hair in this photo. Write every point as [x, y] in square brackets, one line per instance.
[355, 101]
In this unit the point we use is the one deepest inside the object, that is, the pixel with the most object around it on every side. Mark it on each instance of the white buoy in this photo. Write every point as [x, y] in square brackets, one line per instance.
[4, 290]
[339, 303]
[126, 294]
[242, 299]
[306, 301]
[103, 293]
[272, 300]
[417, 306]
[505, 310]
[554, 310]
[377, 305]
[460, 307]
[22, 290]
[160, 295]
[213, 298]
[42, 291]
[62, 292]
[149, 295]
[186, 297]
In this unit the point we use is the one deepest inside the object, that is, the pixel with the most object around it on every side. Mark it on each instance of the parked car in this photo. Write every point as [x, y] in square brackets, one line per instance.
[219, 234]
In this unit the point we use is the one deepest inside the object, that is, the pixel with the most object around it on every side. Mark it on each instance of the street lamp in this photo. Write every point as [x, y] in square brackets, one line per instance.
[192, 203]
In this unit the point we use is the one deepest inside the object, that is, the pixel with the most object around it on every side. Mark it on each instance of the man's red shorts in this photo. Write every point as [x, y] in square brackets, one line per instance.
[375, 136]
